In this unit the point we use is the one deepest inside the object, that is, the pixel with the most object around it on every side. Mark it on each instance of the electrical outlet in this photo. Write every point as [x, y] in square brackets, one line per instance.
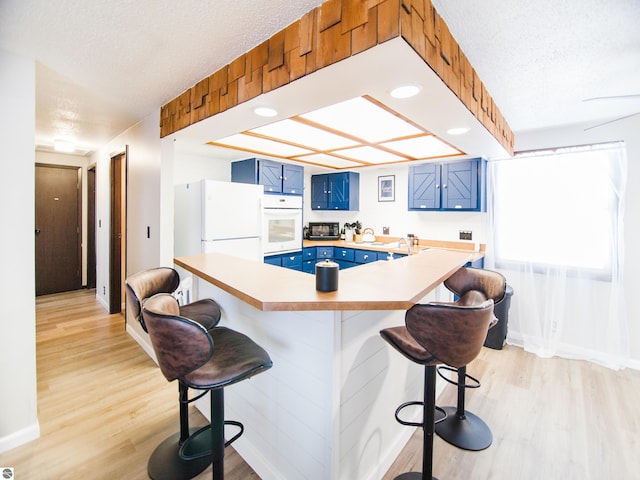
[385, 230]
[466, 235]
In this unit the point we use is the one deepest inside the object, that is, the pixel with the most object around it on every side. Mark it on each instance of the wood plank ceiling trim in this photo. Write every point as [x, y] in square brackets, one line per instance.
[332, 32]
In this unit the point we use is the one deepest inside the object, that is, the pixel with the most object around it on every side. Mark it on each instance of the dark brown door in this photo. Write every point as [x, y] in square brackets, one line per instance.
[58, 229]
[118, 241]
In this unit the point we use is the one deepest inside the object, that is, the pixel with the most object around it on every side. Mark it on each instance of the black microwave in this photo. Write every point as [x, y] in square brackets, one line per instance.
[324, 231]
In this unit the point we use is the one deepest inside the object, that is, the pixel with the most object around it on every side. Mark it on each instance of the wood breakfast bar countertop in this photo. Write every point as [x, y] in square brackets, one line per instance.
[382, 285]
[324, 411]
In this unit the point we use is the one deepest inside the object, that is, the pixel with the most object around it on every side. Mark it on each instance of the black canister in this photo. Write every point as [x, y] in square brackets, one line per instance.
[326, 276]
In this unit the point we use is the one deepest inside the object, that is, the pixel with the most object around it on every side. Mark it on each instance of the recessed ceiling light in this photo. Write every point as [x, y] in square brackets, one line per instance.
[265, 111]
[64, 146]
[458, 131]
[406, 91]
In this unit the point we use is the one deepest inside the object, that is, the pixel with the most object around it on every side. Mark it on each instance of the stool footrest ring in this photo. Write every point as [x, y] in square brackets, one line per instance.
[475, 384]
[417, 424]
[198, 444]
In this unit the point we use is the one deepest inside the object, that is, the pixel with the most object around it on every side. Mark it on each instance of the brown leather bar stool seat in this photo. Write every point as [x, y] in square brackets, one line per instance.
[139, 287]
[204, 360]
[437, 333]
[461, 427]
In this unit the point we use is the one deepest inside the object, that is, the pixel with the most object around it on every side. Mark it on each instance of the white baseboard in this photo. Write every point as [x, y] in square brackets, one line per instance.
[143, 342]
[15, 439]
[102, 302]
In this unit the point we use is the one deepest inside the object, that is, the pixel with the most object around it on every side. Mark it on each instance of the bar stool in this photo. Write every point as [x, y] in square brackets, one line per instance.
[166, 461]
[460, 427]
[437, 333]
[204, 360]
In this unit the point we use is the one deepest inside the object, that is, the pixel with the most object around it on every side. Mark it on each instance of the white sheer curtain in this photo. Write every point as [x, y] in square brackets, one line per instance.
[557, 221]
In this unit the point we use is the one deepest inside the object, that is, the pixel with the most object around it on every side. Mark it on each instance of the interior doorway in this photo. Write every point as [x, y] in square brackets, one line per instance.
[91, 227]
[58, 229]
[118, 241]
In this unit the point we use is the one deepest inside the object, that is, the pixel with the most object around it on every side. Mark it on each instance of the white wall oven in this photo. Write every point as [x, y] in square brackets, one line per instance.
[281, 224]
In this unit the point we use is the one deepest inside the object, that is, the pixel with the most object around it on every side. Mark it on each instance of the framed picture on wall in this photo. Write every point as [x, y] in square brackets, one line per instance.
[387, 188]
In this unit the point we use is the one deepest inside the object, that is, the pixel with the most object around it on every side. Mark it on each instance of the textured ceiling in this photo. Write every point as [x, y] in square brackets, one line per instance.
[102, 66]
[540, 59]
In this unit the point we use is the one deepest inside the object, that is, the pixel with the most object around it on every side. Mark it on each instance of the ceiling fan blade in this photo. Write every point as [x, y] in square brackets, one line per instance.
[611, 121]
[612, 96]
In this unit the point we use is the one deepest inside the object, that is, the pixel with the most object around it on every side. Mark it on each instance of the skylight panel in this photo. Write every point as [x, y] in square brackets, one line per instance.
[362, 119]
[295, 132]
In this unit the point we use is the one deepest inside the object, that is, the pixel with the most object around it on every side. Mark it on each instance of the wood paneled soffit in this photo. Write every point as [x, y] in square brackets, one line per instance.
[331, 33]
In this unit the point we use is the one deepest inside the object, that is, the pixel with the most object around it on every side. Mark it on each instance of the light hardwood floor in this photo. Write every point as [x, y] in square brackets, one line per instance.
[103, 406]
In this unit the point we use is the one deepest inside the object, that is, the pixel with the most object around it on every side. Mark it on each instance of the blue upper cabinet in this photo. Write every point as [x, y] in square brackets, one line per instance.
[292, 179]
[276, 177]
[335, 191]
[448, 186]
[424, 186]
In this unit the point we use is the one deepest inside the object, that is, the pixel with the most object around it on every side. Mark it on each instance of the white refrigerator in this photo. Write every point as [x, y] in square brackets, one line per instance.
[214, 216]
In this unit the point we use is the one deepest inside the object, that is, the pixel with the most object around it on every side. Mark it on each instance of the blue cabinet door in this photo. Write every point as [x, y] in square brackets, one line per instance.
[270, 175]
[274, 260]
[339, 191]
[448, 186]
[292, 179]
[424, 186]
[366, 256]
[319, 192]
[345, 254]
[324, 252]
[460, 185]
[276, 177]
[292, 261]
[335, 191]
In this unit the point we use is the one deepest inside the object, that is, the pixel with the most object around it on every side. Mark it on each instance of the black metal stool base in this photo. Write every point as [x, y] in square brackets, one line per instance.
[468, 432]
[412, 476]
[165, 462]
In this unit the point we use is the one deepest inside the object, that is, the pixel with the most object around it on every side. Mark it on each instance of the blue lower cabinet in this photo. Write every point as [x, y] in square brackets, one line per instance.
[345, 254]
[324, 252]
[273, 260]
[309, 266]
[292, 260]
[365, 256]
[287, 260]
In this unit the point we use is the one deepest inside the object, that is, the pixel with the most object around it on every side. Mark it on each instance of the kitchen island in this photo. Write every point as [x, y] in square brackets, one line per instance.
[325, 409]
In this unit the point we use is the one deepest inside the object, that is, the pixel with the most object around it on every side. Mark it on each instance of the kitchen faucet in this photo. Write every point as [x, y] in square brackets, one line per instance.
[407, 243]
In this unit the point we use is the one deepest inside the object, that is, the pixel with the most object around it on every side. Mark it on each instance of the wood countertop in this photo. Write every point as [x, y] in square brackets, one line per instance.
[382, 285]
[381, 245]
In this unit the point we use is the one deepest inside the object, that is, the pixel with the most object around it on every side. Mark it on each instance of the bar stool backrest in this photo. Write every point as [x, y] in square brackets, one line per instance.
[181, 345]
[492, 284]
[453, 334]
[143, 285]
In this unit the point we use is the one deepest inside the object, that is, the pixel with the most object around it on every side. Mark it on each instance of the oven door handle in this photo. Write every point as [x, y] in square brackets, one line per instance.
[282, 212]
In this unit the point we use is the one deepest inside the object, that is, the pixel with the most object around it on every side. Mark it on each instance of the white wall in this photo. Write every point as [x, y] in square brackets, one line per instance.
[18, 402]
[144, 200]
[190, 167]
[626, 130]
